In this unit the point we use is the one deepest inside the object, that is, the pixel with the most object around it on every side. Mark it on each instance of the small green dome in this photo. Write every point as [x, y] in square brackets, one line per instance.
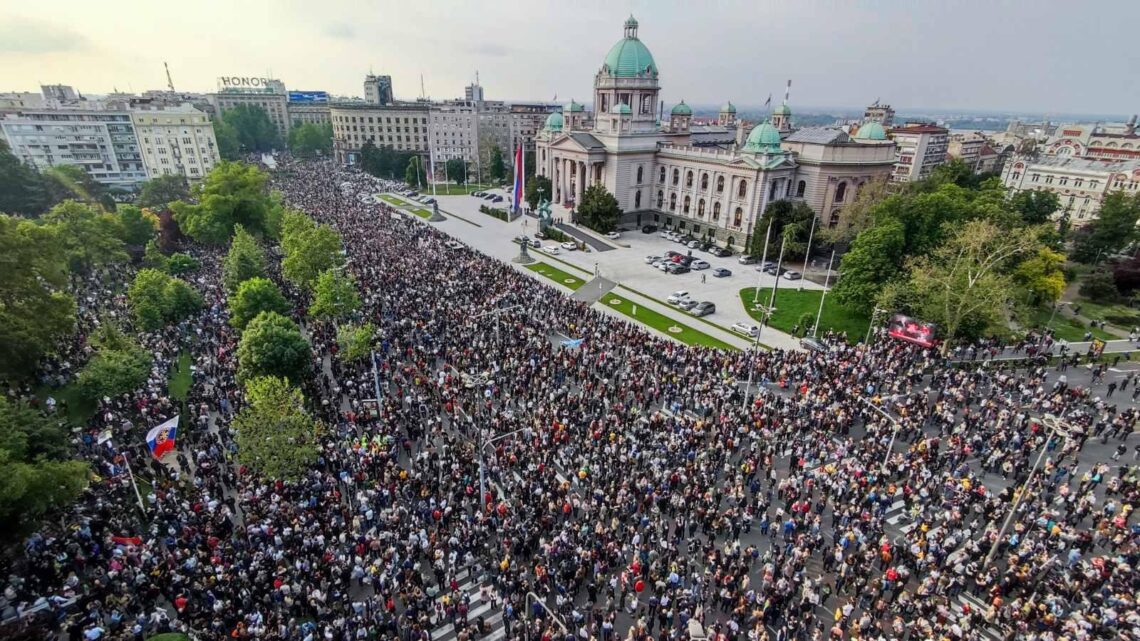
[554, 121]
[763, 138]
[782, 110]
[728, 108]
[629, 57]
[681, 109]
[575, 107]
[621, 108]
[871, 131]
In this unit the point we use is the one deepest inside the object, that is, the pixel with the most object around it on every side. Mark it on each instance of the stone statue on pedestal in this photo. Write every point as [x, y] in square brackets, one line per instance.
[545, 219]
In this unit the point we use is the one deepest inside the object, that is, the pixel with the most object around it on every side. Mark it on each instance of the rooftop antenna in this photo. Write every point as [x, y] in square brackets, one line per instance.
[423, 94]
[787, 92]
[169, 81]
[476, 76]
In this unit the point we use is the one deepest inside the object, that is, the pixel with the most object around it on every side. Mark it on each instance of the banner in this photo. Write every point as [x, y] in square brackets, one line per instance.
[910, 330]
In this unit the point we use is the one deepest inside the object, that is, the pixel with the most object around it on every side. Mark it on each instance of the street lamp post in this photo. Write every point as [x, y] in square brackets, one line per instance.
[823, 296]
[896, 426]
[553, 617]
[482, 473]
[1054, 424]
[807, 253]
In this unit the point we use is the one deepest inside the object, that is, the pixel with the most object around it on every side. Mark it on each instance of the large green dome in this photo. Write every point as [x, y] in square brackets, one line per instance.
[871, 131]
[681, 109]
[554, 121]
[763, 138]
[629, 57]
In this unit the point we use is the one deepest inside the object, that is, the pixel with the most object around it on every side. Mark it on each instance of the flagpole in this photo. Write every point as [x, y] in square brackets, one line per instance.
[131, 474]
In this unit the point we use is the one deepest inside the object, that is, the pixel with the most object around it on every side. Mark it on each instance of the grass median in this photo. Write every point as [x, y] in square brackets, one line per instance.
[662, 323]
[406, 206]
[792, 305]
[1065, 327]
[557, 275]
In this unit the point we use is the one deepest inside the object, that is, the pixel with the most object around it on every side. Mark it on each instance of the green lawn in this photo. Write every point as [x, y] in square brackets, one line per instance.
[455, 190]
[169, 636]
[406, 206]
[1101, 311]
[556, 275]
[792, 304]
[662, 323]
[79, 409]
[181, 378]
[1064, 327]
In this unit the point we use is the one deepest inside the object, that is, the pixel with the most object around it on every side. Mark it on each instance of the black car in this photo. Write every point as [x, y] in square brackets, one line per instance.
[720, 252]
[649, 229]
[539, 235]
[677, 268]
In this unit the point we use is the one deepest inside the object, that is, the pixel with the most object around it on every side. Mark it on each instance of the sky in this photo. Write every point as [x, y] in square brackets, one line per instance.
[1026, 56]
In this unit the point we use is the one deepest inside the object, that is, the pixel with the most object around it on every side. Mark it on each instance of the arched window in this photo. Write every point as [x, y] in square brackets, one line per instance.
[689, 179]
[672, 202]
[737, 217]
[801, 188]
[685, 208]
[701, 208]
[637, 198]
[728, 242]
[742, 189]
[840, 192]
[716, 212]
[639, 174]
[660, 198]
[772, 191]
[834, 222]
[720, 184]
[676, 176]
[662, 179]
[704, 182]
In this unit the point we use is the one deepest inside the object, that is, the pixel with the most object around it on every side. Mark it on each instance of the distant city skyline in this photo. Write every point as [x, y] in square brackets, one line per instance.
[984, 57]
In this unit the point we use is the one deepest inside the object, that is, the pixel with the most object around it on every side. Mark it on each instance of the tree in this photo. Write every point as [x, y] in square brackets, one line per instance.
[872, 262]
[538, 188]
[71, 182]
[182, 300]
[1036, 206]
[528, 164]
[354, 342]
[857, 215]
[276, 437]
[414, 174]
[272, 345]
[334, 296]
[35, 310]
[497, 167]
[22, 189]
[307, 140]
[180, 263]
[89, 237]
[163, 190]
[252, 128]
[308, 253]
[233, 193]
[457, 170]
[154, 258]
[1099, 287]
[254, 296]
[136, 226]
[37, 474]
[1041, 275]
[157, 298]
[244, 260]
[965, 284]
[790, 219]
[599, 209]
[1113, 229]
[229, 147]
[119, 365]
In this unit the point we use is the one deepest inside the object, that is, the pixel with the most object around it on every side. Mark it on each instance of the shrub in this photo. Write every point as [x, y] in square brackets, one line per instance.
[495, 212]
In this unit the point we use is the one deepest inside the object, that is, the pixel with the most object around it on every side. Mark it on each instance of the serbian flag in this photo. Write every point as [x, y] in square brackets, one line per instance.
[520, 187]
[122, 541]
[160, 440]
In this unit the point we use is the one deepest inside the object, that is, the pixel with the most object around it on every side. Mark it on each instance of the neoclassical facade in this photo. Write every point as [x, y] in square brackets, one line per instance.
[662, 174]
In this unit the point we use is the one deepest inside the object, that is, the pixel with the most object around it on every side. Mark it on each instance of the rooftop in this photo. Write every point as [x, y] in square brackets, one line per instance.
[819, 136]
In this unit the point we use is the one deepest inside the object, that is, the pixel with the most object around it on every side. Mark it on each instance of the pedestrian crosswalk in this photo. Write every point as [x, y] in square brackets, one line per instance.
[965, 600]
[477, 607]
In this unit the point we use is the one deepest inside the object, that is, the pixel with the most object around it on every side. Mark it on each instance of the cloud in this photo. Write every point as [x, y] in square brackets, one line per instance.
[340, 31]
[36, 37]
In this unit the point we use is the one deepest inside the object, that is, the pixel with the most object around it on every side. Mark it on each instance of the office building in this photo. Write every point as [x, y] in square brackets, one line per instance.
[266, 93]
[919, 147]
[378, 90]
[401, 126]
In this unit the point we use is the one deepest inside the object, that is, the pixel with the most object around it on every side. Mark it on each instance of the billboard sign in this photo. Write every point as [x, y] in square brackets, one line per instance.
[308, 96]
[910, 330]
[250, 83]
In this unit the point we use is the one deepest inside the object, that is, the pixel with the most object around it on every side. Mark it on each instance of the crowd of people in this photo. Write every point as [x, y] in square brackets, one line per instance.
[634, 487]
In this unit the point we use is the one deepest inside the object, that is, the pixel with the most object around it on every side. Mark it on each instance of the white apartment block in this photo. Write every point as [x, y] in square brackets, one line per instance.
[919, 149]
[101, 141]
[453, 130]
[175, 140]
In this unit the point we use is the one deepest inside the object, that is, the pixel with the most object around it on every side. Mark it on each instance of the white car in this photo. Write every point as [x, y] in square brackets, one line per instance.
[699, 264]
[550, 249]
[649, 260]
[746, 329]
[613, 235]
[569, 246]
[676, 297]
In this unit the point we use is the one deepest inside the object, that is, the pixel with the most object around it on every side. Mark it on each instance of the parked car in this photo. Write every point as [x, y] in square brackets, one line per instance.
[670, 254]
[703, 308]
[677, 297]
[534, 243]
[649, 260]
[522, 239]
[793, 275]
[776, 271]
[613, 235]
[666, 234]
[488, 196]
[693, 244]
[478, 194]
[814, 344]
[746, 260]
[429, 201]
[569, 246]
[648, 229]
[745, 329]
[721, 272]
[663, 265]
[700, 264]
[720, 252]
[687, 304]
[550, 249]
[497, 199]
[677, 268]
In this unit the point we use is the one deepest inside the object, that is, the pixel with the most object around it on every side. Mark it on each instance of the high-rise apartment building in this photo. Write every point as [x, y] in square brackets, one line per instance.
[175, 140]
[882, 114]
[378, 90]
[100, 141]
[919, 148]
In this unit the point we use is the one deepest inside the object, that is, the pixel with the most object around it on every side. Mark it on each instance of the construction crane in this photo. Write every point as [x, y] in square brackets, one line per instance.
[169, 81]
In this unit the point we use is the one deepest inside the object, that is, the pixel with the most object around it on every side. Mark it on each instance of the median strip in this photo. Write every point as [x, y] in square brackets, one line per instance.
[663, 323]
[556, 275]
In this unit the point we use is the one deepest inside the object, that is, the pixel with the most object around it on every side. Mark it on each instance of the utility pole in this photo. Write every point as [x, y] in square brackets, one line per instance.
[807, 254]
[767, 311]
[760, 269]
[823, 297]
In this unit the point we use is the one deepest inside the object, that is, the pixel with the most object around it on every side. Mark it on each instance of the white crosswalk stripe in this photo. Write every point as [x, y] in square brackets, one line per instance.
[976, 605]
[470, 585]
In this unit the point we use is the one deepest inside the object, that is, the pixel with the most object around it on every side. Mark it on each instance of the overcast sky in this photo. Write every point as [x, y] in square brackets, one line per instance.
[1046, 56]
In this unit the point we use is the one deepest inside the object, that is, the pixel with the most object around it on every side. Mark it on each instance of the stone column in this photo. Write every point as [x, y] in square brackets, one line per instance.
[581, 166]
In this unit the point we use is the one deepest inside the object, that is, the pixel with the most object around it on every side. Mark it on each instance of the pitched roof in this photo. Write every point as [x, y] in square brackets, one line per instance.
[819, 136]
[586, 140]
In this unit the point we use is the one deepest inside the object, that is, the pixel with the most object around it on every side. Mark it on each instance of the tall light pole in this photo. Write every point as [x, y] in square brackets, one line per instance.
[807, 253]
[482, 474]
[760, 269]
[1054, 424]
[896, 426]
[553, 617]
[826, 282]
[766, 310]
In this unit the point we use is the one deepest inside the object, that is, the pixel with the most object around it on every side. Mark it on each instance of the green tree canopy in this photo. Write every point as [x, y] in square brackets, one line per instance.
[137, 226]
[118, 366]
[22, 188]
[272, 345]
[873, 261]
[414, 172]
[71, 182]
[244, 260]
[1112, 230]
[599, 209]
[791, 219]
[229, 147]
[1041, 276]
[254, 296]
[179, 263]
[334, 296]
[157, 298]
[35, 309]
[89, 237]
[308, 252]
[1100, 287]
[233, 193]
[308, 140]
[1036, 206]
[354, 342]
[456, 170]
[384, 161]
[497, 167]
[538, 185]
[160, 191]
[252, 128]
[276, 437]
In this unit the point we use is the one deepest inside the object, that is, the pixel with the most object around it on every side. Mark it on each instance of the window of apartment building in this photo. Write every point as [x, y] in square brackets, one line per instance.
[688, 179]
[1079, 182]
[1048, 180]
[637, 197]
[1064, 180]
[639, 174]
[801, 188]
[840, 192]
[1093, 184]
[685, 207]
[701, 208]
